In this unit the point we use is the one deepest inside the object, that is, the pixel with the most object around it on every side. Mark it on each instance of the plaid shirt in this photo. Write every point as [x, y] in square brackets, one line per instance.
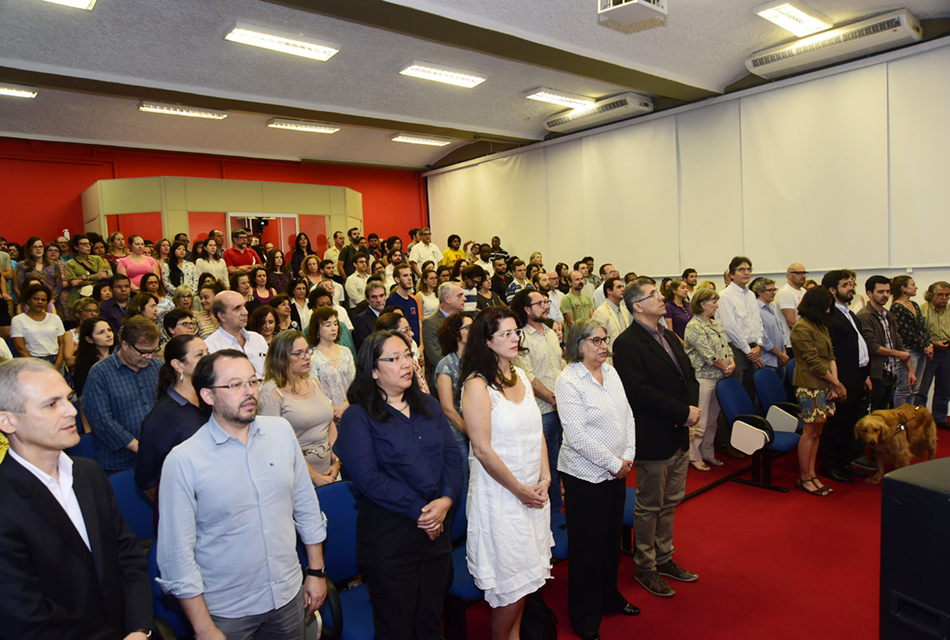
[115, 400]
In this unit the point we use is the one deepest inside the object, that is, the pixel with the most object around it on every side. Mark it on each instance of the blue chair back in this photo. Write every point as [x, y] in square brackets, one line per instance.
[459, 521]
[135, 507]
[167, 607]
[790, 372]
[84, 448]
[733, 399]
[338, 503]
[769, 388]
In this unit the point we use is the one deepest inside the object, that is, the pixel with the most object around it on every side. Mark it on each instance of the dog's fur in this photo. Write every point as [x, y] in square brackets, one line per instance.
[880, 431]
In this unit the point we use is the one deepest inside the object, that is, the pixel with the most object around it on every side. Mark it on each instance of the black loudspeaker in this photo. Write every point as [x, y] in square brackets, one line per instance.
[915, 555]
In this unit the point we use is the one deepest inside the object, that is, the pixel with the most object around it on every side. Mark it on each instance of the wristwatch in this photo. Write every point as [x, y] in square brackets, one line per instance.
[316, 573]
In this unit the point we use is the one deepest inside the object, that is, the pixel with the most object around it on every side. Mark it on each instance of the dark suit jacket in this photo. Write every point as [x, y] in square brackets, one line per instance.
[659, 396]
[112, 313]
[432, 348]
[363, 326]
[844, 340]
[51, 585]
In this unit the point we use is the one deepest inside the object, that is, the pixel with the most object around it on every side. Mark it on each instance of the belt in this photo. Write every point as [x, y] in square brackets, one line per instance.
[322, 450]
[752, 345]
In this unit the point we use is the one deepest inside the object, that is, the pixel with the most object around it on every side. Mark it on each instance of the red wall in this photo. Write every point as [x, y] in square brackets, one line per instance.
[41, 183]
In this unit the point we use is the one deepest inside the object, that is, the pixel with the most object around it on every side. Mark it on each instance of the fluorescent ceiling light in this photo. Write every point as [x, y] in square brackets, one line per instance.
[574, 101]
[428, 71]
[75, 4]
[178, 110]
[426, 140]
[17, 91]
[301, 125]
[794, 16]
[283, 42]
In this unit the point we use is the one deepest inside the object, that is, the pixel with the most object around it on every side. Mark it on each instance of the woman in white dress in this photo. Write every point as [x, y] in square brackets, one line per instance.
[331, 364]
[509, 516]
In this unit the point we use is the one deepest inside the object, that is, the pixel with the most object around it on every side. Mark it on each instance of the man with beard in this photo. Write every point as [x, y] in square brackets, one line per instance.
[838, 447]
[234, 498]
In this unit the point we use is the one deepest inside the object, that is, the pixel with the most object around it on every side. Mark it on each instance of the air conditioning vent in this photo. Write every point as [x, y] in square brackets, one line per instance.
[630, 11]
[862, 38]
[608, 110]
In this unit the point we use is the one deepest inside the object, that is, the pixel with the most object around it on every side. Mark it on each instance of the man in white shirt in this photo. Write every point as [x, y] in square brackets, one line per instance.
[228, 308]
[333, 252]
[740, 319]
[691, 278]
[790, 296]
[611, 314]
[543, 364]
[423, 251]
[600, 292]
[546, 282]
[356, 283]
[328, 269]
[484, 259]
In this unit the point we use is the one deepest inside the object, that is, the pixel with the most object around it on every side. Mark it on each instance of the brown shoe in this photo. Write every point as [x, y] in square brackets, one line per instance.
[731, 452]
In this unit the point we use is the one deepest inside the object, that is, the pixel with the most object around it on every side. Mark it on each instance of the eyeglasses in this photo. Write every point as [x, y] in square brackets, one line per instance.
[656, 294]
[187, 324]
[506, 335]
[597, 340]
[404, 331]
[466, 327]
[544, 303]
[146, 353]
[799, 273]
[306, 352]
[772, 290]
[241, 385]
[406, 356]
[91, 310]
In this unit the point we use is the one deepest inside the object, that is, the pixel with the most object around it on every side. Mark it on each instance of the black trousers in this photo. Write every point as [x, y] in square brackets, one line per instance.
[838, 446]
[882, 392]
[594, 525]
[406, 573]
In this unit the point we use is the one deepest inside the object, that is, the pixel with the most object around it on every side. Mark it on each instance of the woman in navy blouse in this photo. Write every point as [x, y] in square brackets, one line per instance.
[399, 451]
[678, 313]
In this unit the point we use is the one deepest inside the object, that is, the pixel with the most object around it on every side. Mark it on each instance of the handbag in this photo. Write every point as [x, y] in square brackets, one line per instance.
[538, 621]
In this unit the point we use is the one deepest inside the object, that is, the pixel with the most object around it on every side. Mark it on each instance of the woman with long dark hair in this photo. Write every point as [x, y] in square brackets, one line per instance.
[176, 271]
[96, 341]
[278, 275]
[398, 449]
[260, 288]
[177, 413]
[331, 364]
[398, 323]
[509, 515]
[264, 322]
[302, 249]
[205, 322]
[207, 261]
[36, 264]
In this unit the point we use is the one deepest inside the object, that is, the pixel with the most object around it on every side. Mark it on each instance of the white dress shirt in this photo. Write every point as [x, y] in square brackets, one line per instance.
[554, 311]
[356, 288]
[543, 360]
[739, 316]
[255, 347]
[615, 320]
[597, 421]
[422, 252]
[61, 489]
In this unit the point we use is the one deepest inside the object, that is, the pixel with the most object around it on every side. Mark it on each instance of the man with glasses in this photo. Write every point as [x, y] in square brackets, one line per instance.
[740, 319]
[774, 332]
[472, 277]
[663, 392]
[451, 300]
[234, 498]
[790, 296]
[607, 271]
[120, 391]
[63, 243]
[935, 315]
[542, 363]
[611, 315]
[239, 258]
[423, 251]
[229, 310]
[356, 282]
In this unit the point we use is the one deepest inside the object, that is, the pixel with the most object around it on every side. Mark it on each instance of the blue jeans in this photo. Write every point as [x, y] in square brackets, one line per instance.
[551, 426]
[937, 373]
[904, 394]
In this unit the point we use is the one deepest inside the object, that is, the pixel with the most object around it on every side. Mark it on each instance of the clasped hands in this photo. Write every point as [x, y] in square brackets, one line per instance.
[433, 515]
[535, 496]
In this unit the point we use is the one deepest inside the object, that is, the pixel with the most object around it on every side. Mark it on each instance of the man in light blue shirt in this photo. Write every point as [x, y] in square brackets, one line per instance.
[234, 498]
[774, 355]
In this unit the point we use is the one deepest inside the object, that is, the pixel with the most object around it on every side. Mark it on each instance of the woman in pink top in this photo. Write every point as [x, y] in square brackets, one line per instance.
[137, 263]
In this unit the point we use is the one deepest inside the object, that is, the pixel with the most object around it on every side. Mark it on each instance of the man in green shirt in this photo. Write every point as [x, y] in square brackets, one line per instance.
[576, 305]
[937, 372]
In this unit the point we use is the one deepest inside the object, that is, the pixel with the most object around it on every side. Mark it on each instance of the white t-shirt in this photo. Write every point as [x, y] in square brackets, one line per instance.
[789, 298]
[41, 338]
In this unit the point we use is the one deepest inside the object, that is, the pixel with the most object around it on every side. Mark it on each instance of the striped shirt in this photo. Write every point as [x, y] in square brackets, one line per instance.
[938, 322]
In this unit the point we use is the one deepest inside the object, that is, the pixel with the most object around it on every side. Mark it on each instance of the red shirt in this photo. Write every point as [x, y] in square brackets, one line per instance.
[235, 258]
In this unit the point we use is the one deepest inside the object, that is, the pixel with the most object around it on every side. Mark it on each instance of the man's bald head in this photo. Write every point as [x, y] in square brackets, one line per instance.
[796, 275]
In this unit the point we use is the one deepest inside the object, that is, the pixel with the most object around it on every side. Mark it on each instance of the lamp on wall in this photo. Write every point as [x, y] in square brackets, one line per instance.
[292, 44]
[794, 16]
[17, 91]
[179, 110]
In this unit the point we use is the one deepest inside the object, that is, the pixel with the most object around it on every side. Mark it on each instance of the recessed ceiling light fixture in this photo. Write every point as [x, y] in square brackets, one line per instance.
[179, 110]
[282, 42]
[438, 73]
[794, 16]
[301, 125]
[431, 141]
[75, 4]
[571, 100]
[17, 91]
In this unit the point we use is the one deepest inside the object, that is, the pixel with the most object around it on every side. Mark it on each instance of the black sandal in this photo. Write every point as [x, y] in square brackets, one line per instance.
[822, 492]
[822, 487]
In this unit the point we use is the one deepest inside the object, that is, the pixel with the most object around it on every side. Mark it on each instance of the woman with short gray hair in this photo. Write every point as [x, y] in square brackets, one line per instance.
[596, 455]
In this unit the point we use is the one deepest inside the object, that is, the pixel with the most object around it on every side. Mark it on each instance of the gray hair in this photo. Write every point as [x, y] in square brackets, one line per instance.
[11, 392]
[760, 284]
[580, 331]
[446, 289]
[634, 292]
[371, 286]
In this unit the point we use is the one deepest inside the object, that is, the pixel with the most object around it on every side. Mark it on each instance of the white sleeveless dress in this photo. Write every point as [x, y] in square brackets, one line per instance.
[508, 547]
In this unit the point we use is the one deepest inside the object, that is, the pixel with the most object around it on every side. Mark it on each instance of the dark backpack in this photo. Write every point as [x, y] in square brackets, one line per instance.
[538, 621]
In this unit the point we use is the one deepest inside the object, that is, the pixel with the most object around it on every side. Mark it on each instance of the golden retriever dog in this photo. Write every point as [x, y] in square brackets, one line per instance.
[899, 434]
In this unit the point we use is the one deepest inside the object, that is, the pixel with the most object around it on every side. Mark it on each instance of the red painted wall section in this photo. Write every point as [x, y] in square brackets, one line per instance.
[41, 184]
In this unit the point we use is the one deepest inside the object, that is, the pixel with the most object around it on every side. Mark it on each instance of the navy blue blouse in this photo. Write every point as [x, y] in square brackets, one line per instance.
[171, 421]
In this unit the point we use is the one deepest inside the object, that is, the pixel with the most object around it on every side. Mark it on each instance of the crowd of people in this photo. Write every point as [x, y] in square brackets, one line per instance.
[420, 375]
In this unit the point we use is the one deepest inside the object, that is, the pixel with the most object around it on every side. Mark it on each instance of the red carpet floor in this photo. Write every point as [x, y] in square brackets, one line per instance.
[782, 566]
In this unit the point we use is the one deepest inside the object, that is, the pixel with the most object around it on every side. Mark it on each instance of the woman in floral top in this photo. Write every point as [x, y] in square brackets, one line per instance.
[916, 339]
[711, 357]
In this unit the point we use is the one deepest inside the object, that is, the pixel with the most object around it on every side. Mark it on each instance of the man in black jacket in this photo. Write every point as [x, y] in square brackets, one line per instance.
[663, 393]
[71, 568]
[364, 321]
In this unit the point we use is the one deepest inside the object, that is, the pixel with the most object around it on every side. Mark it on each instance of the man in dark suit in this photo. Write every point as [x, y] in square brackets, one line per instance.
[363, 322]
[837, 447]
[451, 300]
[70, 568]
[663, 393]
